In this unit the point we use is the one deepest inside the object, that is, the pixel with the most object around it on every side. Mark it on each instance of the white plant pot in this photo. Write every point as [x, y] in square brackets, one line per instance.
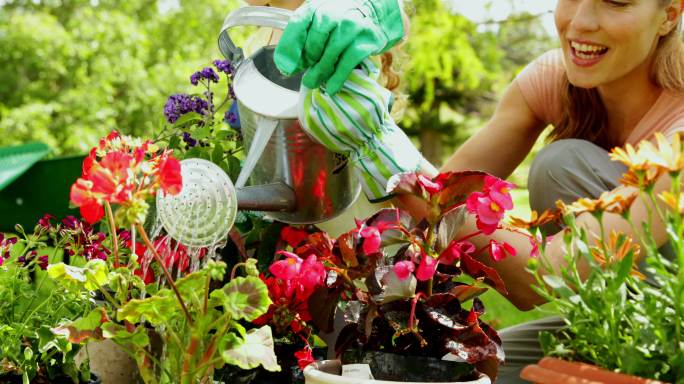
[328, 372]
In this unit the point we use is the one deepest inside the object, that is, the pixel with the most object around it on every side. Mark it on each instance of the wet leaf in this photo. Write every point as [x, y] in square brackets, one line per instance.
[476, 269]
[254, 350]
[90, 277]
[244, 297]
[85, 328]
[457, 186]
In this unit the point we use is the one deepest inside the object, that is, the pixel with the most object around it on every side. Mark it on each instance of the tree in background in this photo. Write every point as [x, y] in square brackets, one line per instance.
[73, 70]
[455, 69]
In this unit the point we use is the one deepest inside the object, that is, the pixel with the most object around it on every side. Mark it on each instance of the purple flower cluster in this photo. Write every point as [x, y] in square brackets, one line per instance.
[6, 244]
[230, 118]
[207, 73]
[224, 66]
[42, 261]
[83, 240]
[189, 140]
[180, 104]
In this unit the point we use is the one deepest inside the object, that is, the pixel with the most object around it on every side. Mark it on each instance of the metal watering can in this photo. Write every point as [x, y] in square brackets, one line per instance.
[294, 177]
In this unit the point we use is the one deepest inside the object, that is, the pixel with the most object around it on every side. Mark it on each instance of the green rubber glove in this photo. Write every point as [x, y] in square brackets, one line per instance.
[331, 37]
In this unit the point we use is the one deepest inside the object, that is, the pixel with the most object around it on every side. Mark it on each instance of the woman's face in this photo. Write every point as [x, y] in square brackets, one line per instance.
[607, 40]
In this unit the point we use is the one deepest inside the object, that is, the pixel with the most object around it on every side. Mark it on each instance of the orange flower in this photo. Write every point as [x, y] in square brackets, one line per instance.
[668, 156]
[536, 220]
[642, 179]
[616, 201]
[619, 245]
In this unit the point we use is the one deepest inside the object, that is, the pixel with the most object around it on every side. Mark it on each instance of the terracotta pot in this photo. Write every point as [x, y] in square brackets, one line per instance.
[555, 371]
[328, 372]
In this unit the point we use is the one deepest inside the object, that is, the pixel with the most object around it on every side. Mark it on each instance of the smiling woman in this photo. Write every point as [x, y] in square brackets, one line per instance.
[607, 43]
[617, 79]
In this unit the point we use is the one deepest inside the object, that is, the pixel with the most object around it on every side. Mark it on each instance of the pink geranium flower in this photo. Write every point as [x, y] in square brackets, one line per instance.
[430, 186]
[499, 191]
[312, 274]
[455, 250]
[288, 268]
[426, 268]
[498, 250]
[372, 240]
[403, 269]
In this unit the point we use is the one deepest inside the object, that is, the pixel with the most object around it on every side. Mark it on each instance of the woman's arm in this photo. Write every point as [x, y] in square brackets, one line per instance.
[503, 143]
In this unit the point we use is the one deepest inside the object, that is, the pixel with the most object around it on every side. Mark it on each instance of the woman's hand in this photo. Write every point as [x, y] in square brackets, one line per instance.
[331, 37]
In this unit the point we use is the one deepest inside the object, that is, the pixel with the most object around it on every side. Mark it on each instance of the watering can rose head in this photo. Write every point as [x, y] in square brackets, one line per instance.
[125, 171]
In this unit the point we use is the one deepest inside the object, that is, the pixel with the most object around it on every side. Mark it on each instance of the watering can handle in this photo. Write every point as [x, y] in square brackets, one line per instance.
[251, 16]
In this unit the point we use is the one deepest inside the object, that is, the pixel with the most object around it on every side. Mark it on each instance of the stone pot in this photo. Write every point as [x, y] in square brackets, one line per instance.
[328, 372]
[110, 362]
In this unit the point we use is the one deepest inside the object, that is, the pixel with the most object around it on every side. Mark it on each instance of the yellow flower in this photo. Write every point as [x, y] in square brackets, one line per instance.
[672, 201]
[618, 246]
[666, 155]
[631, 158]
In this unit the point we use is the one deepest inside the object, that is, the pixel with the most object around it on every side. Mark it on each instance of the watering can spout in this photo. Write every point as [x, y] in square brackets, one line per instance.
[274, 197]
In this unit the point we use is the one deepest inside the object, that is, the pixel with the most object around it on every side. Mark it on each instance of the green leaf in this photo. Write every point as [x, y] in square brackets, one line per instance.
[84, 328]
[217, 153]
[174, 140]
[449, 226]
[254, 350]
[121, 335]
[396, 289]
[558, 285]
[624, 268]
[158, 309]
[190, 117]
[90, 277]
[202, 132]
[243, 297]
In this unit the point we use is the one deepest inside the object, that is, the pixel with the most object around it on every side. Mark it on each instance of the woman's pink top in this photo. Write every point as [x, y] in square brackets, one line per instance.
[541, 82]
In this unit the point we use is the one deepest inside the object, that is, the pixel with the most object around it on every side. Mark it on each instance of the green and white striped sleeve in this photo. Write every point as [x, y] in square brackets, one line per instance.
[356, 121]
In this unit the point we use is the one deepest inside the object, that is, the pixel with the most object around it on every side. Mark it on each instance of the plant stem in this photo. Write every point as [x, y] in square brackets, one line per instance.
[412, 317]
[206, 294]
[112, 232]
[169, 279]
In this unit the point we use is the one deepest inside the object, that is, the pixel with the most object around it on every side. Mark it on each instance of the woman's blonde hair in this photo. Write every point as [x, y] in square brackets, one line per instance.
[585, 116]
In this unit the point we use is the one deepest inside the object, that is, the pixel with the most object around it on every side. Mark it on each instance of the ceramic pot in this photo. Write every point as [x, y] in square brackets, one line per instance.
[328, 372]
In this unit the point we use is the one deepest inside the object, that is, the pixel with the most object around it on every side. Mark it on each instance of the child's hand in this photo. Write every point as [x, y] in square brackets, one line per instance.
[331, 37]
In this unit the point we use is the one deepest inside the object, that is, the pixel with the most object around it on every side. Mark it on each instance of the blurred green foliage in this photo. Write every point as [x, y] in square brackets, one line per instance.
[456, 68]
[72, 70]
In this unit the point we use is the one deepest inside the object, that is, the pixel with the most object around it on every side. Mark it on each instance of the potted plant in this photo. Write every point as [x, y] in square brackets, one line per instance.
[621, 318]
[196, 317]
[397, 283]
[31, 303]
